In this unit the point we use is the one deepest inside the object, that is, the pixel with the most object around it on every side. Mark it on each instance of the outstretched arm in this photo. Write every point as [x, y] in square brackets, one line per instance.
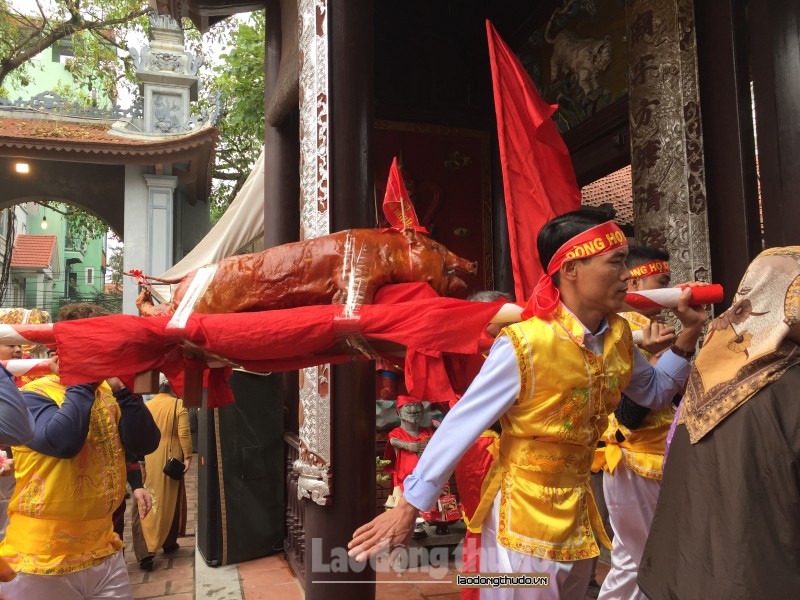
[495, 388]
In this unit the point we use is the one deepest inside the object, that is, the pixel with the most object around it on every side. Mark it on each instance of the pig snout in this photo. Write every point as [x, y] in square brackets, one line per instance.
[455, 265]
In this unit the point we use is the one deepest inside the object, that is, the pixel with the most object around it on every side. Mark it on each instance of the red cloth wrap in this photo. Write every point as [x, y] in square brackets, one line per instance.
[277, 340]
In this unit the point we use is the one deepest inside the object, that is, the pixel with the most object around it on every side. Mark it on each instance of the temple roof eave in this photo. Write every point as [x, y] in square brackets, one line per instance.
[197, 148]
[205, 13]
[124, 151]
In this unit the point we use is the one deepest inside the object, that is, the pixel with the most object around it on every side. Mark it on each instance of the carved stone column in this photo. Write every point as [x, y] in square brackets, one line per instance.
[160, 208]
[313, 466]
[169, 77]
[669, 193]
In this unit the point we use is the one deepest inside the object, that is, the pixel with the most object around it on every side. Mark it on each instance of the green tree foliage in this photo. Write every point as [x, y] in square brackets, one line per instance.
[116, 257]
[95, 27]
[82, 227]
[234, 51]
[235, 71]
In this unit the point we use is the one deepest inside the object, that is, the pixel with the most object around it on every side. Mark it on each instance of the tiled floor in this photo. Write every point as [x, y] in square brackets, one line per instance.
[172, 576]
[271, 579]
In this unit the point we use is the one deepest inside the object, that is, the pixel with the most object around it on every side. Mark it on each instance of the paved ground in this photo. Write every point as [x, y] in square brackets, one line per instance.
[271, 579]
[185, 576]
[172, 576]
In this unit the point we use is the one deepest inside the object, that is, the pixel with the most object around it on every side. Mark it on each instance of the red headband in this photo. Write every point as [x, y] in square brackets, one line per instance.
[656, 267]
[601, 239]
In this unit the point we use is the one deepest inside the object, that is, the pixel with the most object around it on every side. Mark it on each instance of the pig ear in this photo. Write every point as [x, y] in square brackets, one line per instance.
[411, 234]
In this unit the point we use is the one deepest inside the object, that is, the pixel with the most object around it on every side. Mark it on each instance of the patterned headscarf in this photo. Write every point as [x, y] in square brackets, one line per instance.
[747, 347]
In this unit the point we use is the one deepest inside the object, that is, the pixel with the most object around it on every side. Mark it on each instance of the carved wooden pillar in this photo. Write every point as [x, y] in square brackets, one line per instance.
[281, 142]
[731, 177]
[669, 194]
[337, 448]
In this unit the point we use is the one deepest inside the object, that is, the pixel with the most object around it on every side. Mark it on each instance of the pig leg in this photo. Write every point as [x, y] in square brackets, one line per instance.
[144, 302]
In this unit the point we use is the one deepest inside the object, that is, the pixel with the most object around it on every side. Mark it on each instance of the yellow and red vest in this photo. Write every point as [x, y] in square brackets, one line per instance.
[549, 436]
[60, 513]
[644, 446]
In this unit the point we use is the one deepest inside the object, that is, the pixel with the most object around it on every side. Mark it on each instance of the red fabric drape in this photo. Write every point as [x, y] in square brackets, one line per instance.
[276, 340]
[538, 178]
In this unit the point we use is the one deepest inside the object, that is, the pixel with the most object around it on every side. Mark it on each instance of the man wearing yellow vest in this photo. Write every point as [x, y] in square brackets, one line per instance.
[632, 447]
[16, 427]
[551, 380]
[70, 479]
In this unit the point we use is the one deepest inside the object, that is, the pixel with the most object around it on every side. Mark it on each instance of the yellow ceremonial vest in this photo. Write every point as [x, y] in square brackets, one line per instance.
[644, 446]
[60, 513]
[549, 435]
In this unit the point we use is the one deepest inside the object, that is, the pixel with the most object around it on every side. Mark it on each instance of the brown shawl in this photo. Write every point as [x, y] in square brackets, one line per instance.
[746, 347]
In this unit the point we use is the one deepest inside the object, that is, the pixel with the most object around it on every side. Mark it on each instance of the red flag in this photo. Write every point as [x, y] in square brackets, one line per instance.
[396, 203]
[538, 177]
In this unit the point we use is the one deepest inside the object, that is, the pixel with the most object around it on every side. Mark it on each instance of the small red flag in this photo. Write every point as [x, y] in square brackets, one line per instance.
[538, 177]
[396, 203]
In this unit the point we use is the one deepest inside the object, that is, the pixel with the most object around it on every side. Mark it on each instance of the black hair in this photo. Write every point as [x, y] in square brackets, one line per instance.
[489, 296]
[81, 310]
[556, 232]
[639, 255]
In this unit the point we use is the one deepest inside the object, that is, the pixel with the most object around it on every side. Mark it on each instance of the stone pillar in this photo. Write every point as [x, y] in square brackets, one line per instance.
[169, 77]
[669, 194]
[40, 292]
[160, 206]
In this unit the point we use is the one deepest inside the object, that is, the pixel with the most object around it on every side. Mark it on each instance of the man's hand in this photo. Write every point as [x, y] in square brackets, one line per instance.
[7, 467]
[693, 318]
[388, 530]
[115, 383]
[53, 363]
[143, 500]
[657, 337]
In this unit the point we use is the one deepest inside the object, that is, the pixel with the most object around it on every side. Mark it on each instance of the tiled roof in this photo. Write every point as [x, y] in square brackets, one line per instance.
[94, 138]
[616, 189]
[66, 139]
[33, 251]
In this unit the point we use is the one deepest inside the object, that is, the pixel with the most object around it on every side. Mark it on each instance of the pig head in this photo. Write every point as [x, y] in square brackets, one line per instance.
[348, 266]
[432, 262]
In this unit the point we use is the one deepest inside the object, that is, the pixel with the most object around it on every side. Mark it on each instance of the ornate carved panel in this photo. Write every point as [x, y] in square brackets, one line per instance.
[669, 194]
[313, 466]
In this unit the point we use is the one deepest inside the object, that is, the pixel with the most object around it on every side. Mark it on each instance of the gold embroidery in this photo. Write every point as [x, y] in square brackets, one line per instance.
[30, 499]
[551, 431]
